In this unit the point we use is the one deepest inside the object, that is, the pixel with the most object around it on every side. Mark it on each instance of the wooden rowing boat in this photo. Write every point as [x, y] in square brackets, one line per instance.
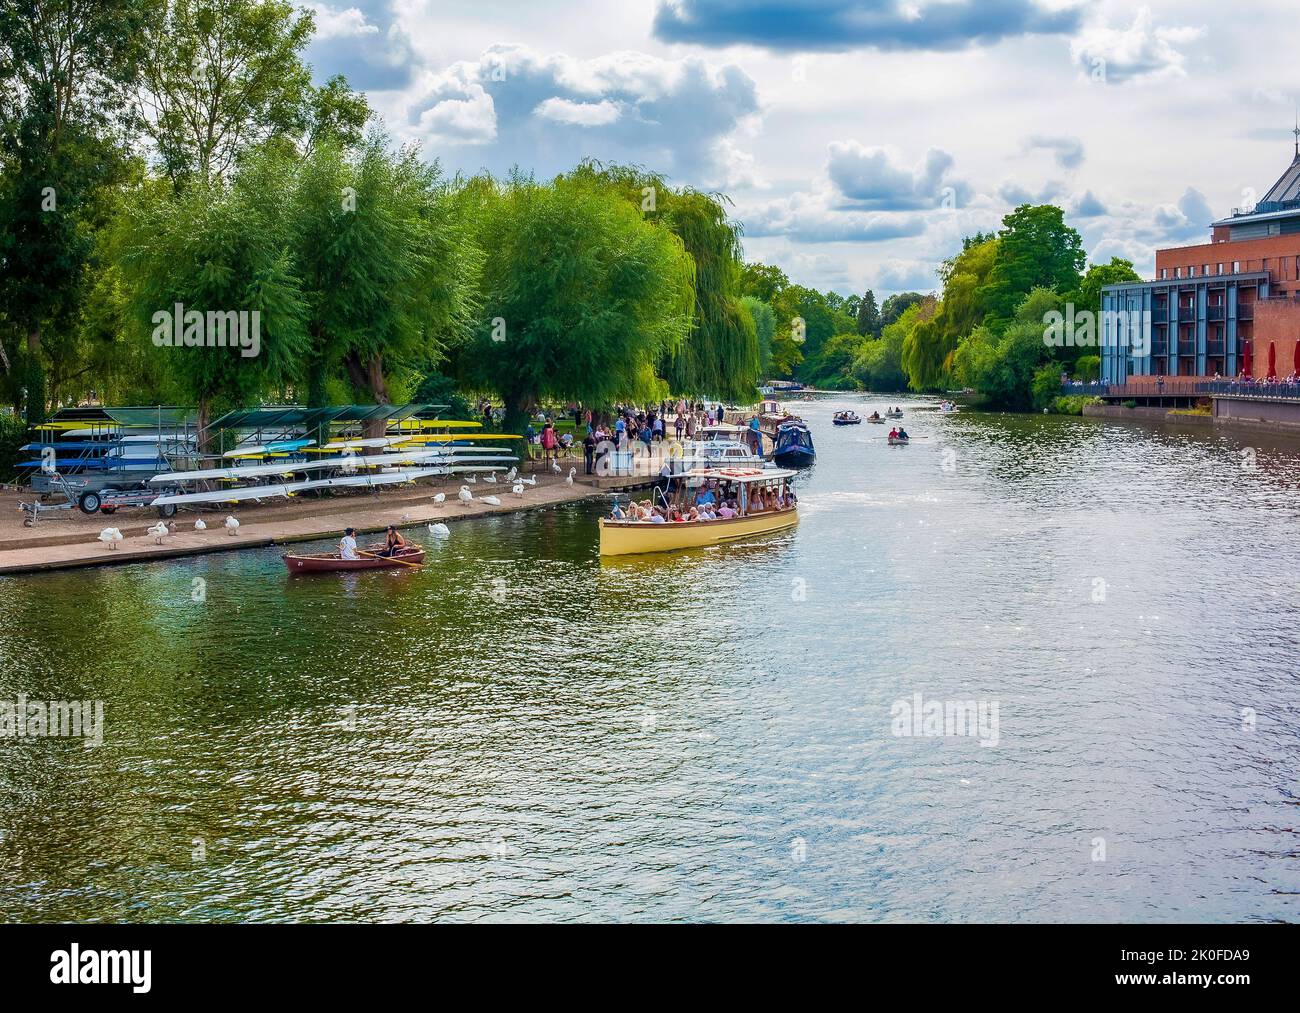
[896, 441]
[330, 562]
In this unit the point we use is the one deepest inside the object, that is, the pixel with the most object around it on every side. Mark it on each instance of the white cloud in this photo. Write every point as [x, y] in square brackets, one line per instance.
[1143, 51]
[874, 178]
[580, 114]
[547, 112]
[340, 24]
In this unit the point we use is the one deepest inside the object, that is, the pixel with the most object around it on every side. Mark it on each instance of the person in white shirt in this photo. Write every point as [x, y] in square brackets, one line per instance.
[348, 546]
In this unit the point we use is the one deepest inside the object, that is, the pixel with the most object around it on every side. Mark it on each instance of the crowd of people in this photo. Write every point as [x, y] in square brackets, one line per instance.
[712, 501]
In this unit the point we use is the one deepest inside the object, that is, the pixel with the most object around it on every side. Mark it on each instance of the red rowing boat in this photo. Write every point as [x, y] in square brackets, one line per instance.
[331, 562]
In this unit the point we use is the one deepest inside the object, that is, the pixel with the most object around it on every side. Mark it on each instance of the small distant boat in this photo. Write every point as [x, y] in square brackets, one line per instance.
[331, 562]
[947, 407]
[899, 441]
[894, 415]
[794, 445]
[846, 419]
[875, 420]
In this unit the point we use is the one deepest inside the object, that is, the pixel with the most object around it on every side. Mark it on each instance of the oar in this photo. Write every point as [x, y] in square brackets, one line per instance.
[395, 559]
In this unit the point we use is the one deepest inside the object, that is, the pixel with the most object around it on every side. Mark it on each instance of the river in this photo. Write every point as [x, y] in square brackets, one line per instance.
[524, 732]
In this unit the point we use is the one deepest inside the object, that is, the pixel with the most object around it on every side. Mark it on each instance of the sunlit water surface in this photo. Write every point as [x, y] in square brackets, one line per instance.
[523, 732]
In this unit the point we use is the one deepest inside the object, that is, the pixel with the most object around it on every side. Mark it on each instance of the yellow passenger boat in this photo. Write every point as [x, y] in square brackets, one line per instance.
[763, 504]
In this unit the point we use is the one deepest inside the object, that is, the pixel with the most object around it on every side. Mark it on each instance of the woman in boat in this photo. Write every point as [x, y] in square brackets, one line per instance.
[394, 543]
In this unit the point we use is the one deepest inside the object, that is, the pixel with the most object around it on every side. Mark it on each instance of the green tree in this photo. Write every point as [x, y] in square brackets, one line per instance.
[764, 318]
[218, 248]
[220, 77]
[64, 69]
[1006, 367]
[879, 365]
[582, 296]
[763, 281]
[386, 261]
[868, 315]
[721, 357]
[1035, 249]
[898, 304]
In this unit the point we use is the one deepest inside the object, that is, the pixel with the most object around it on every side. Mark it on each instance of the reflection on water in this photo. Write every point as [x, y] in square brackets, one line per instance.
[521, 732]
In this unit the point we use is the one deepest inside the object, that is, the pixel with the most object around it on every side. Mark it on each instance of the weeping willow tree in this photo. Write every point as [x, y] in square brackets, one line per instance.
[928, 350]
[721, 357]
[580, 296]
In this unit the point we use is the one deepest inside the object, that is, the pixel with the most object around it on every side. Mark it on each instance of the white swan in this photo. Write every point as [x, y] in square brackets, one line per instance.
[199, 525]
[569, 478]
[490, 500]
[158, 531]
[555, 467]
[518, 489]
[530, 480]
[510, 475]
[464, 495]
[440, 497]
[110, 537]
[491, 478]
[232, 526]
[472, 480]
[439, 531]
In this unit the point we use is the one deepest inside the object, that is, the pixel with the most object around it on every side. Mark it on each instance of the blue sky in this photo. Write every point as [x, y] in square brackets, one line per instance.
[858, 139]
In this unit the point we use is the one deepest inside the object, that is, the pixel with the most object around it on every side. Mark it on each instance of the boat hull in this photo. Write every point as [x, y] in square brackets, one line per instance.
[894, 441]
[629, 538]
[794, 457]
[331, 563]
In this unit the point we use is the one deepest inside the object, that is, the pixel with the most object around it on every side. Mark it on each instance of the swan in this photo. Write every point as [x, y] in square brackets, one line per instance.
[555, 467]
[569, 478]
[439, 531]
[464, 495]
[110, 537]
[518, 489]
[490, 478]
[158, 530]
[199, 525]
[530, 480]
[440, 497]
[490, 500]
[232, 526]
[472, 480]
[510, 475]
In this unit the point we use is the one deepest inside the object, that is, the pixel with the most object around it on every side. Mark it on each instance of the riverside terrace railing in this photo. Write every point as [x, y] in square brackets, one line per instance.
[1184, 386]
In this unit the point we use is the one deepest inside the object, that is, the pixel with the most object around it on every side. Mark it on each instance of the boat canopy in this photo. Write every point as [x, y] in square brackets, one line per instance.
[741, 475]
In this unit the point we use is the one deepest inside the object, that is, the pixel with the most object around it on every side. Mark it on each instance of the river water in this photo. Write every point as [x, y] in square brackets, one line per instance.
[524, 732]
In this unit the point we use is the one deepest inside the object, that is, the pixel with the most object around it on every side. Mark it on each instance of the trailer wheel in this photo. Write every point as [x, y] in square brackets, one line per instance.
[89, 502]
[167, 511]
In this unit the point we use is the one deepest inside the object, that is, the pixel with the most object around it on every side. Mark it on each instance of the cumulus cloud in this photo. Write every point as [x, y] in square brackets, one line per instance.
[365, 45]
[874, 178]
[580, 114]
[840, 25]
[1188, 219]
[812, 218]
[1143, 51]
[1015, 193]
[1088, 206]
[1068, 151]
[679, 116]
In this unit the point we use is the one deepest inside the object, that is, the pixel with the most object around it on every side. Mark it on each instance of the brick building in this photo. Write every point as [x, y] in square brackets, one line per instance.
[1226, 307]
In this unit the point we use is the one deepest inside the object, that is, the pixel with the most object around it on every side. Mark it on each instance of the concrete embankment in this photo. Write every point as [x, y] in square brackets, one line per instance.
[69, 538]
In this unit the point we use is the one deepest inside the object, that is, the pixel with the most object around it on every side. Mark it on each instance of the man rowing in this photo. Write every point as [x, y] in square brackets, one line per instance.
[348, 544]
